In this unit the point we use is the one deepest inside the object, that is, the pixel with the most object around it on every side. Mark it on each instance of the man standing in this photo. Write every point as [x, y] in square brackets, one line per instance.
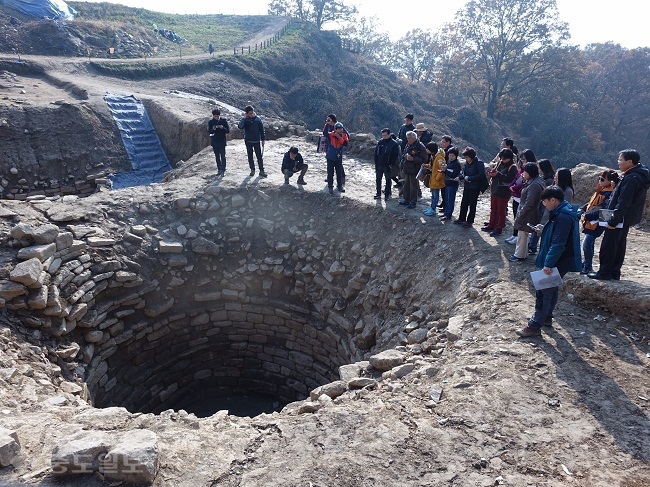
[627, 204]
[218, 128]
[338, 140]
[291, 164]
[386, 154]
[407, 127]
[414, 155]
[254, 137]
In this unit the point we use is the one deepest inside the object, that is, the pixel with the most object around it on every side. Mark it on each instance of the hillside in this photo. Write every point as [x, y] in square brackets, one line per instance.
[304, 77]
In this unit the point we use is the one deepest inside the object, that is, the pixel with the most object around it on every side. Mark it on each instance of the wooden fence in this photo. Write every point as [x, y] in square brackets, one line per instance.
[241, 50]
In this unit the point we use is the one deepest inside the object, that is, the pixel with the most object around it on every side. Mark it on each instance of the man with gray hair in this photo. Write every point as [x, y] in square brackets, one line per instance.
[414, 155]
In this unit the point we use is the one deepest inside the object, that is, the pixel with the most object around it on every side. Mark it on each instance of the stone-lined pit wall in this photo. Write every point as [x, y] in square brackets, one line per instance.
[232, 348]
[228, 291]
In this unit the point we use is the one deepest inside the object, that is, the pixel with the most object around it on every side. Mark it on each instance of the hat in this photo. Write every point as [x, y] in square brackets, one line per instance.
[338, 125]
[419, 127]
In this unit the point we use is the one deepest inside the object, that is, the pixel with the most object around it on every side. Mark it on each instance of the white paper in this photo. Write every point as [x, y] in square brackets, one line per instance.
[543, 281]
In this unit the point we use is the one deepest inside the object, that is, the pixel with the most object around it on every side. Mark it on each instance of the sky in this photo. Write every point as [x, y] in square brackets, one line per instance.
[622, 21]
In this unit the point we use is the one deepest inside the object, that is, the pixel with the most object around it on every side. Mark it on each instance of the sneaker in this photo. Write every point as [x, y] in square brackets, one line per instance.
[445, 218]
[586, 270]
[429, 212]
[262, 174]
[458, 222]
[387, 198]
[532, 251]
[301, 181]
[340, 189]
[514, 258]
[286, 181]
[495, 233]
[487, 229]
[548, 323]
[252, 173]
[511, 240]
[377, 197]
[467, 225]
[411, 206]
[529, 331]
[441, 205]
[598, 276]
[403, 202]
[331, 190]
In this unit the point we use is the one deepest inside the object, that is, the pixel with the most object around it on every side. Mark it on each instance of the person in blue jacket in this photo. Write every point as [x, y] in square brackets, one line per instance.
[560, 247]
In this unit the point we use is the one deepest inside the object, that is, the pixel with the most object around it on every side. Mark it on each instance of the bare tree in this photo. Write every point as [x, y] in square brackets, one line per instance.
[318, 11]
[413, 55]
[505, 39]
[364, 33]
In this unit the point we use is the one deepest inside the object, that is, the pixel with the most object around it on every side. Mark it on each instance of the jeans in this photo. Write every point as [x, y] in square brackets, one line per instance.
[588, 245]
[220, 156]
[469, 201]
[515, 209]
[450, 200]
[435, 196]
[257, 147]
[383, 172]
[545, 301]
[333, 166]
[288, 172]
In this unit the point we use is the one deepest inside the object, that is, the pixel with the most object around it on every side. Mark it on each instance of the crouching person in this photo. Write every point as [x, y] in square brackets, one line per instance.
[560, 248]
[293, 163]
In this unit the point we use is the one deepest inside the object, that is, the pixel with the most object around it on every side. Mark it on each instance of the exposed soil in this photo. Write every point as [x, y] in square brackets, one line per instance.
[569, 408]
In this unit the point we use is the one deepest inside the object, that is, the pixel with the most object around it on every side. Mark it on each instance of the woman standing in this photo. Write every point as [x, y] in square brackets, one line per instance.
[564, 180]
[516, 186]
[501, 177]
[528, 210]
[547, 172]
[472, 175]
[607, 182]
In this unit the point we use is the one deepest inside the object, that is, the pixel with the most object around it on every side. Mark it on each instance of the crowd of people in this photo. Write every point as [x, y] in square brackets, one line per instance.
[547, 222]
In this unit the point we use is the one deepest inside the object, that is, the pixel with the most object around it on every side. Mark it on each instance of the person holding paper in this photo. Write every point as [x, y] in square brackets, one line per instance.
[560, 247]
[627, 204]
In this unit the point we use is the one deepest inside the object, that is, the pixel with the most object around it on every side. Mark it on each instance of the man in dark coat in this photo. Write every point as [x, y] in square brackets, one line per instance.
[407, 127]
[217, 129]
[254, 137]
[627, 204]
[291, 164]
[386, 154]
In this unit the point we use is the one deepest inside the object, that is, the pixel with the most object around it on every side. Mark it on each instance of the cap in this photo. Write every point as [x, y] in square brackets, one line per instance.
[338, 125]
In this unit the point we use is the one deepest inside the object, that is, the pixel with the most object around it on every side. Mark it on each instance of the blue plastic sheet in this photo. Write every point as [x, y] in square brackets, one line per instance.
[43, 9]
[148, 159]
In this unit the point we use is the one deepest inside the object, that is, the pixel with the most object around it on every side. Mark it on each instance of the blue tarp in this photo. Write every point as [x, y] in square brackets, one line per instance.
[43, 9]
[148, 159]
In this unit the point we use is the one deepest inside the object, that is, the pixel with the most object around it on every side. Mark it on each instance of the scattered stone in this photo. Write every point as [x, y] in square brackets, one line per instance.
[455, 328]
[333, 390]
[133, 459]
[337, 268]
[45, 234]
[387, 360]
[349, 372]
[399, 371]
[204, 246]
[170, 247]
[359, 382]
[66, 352]
[237, 201]
[417, 336]
[80, 453]
[9, 446]
[309, 407]
[435, 394]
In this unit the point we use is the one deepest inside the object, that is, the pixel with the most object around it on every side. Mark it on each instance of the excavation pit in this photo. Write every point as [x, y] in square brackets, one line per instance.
[246, 358]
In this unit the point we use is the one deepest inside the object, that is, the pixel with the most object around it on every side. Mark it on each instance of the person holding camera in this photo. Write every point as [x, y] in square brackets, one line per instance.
[217, 129]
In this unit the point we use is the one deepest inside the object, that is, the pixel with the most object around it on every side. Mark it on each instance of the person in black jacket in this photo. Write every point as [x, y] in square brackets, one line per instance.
[254, 136]
[217, 129]
[452, 174]
[627, 204]
[291, 164]
[407, 127]
[473, 174]
[386, 154]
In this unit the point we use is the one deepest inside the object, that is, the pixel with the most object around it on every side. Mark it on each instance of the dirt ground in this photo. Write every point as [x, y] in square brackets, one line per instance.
[570, 408]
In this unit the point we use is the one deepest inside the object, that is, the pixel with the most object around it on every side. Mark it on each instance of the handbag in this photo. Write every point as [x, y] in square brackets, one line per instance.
[322, 144]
